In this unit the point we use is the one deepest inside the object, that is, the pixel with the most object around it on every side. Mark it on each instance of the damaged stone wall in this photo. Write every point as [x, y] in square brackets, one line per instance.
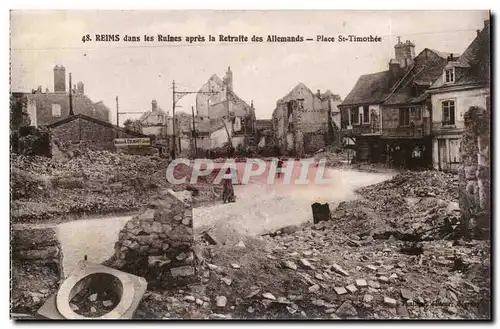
[158, 243]
[36, 245]
[314, 141]
[474, 174]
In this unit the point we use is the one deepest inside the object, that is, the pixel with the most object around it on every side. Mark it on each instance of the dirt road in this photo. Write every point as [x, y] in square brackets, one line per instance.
[262, 208]
[92, 237]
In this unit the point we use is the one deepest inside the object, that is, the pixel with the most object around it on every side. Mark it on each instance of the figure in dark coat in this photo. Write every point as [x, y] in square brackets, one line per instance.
[279, 169]
[228, 191]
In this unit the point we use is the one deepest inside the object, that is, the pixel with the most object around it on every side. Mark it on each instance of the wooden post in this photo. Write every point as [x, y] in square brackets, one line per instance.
[194, 134]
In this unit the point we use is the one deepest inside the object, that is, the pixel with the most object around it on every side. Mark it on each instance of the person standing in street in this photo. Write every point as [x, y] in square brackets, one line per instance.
[279, 169]
[228, 191]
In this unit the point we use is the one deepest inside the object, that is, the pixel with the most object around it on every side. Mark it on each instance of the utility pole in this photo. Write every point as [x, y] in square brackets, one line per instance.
[194, 133]
[117, 113]
[173, 120]
[176, 96]
[70, 97]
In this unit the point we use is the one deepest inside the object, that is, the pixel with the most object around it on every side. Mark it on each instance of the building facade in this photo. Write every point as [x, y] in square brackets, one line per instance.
[387, 115]
[462, 84]
[303, 122]
[45, 107]
[153, 122]
[94, 133]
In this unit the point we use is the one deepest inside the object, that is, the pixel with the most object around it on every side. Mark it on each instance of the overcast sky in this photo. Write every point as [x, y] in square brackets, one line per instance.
[262, 72]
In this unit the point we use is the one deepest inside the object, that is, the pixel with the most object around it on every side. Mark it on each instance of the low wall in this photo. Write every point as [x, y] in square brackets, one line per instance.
[474, 174]
[158, 243]
[36, 244]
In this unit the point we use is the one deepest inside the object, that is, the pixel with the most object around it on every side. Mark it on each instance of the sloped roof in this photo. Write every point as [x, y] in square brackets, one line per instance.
[423, 73]
[376, 87]
[94, 120]
[147, 114]
[443, 54]
[370, 88]
[299, 85]
[475, 62]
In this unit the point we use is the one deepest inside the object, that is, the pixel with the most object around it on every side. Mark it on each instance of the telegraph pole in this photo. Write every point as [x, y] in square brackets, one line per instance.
[176, 96]
[117, 113]
[70, 97]
[173, 119]
[194, 133]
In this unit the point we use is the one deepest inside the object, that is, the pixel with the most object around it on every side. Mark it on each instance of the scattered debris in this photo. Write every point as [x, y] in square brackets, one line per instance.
[340, 290]
[390, 301]
[221, 301]
[361, 282]
[314, 288]
[268, 295]
[336, 268]
[289, 264]
[346, 310]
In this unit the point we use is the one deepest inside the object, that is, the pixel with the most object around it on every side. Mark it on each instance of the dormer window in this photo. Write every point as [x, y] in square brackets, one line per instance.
[449, 75]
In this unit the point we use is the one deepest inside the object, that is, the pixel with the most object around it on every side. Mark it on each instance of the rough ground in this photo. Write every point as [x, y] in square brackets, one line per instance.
[398, 237]
[337, 269]
[95, 182]
[295, 276]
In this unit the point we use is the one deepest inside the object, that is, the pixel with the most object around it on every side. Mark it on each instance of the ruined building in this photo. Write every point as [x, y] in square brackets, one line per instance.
[304, 122]
[230, 118]
[45, 107]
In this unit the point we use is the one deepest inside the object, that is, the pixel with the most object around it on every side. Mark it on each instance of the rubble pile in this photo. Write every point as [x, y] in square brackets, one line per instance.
[31, 284]
[334, 156]
[316, 273]
[416, 184]
[93, 182]
[411, 206]
[92, 304]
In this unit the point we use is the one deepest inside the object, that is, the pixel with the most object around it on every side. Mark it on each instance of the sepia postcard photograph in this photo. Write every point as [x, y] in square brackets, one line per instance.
[250, 165]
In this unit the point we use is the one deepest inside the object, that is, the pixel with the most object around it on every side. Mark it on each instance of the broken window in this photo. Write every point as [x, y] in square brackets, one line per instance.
[449, 75]
[355, 116]
[404, 117]
[448, 112]
[366, 114]
[290, 109]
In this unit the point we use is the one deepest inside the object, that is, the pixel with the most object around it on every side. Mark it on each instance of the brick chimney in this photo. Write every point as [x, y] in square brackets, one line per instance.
[405, 53]
[59, 79]
[154, 106]
[318, 93]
